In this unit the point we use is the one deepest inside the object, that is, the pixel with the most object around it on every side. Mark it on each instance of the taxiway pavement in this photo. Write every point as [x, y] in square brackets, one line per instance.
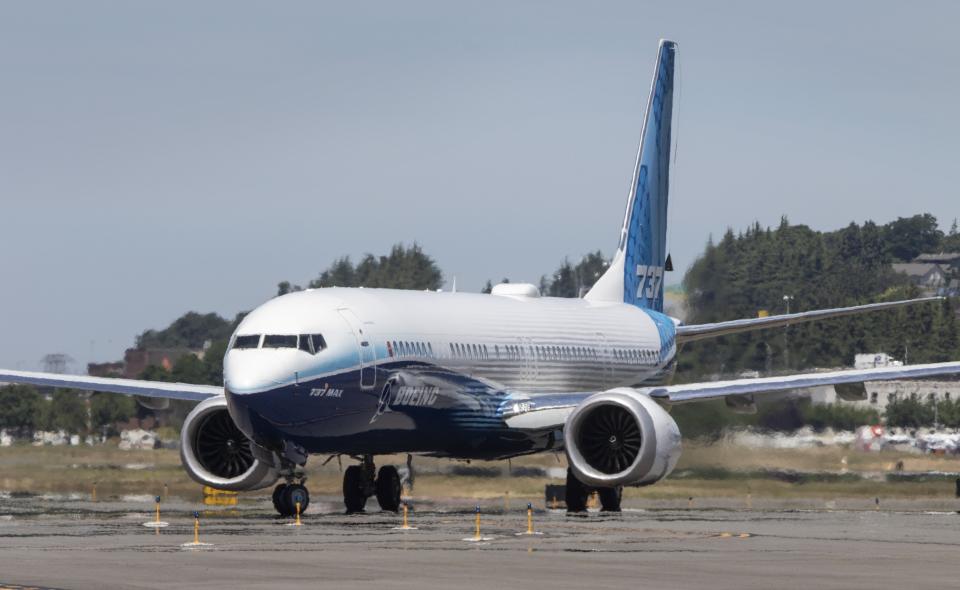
[76, 544]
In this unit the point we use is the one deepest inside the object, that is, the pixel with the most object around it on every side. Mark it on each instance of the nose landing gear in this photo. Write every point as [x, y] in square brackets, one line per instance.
[359, 484]
[287, 495]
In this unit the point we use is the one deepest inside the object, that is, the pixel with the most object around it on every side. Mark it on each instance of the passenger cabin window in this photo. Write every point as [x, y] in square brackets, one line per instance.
[279, 341]
[249, 341]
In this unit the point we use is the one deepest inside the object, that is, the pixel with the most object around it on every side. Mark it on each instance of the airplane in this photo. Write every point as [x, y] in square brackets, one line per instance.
[365, 372]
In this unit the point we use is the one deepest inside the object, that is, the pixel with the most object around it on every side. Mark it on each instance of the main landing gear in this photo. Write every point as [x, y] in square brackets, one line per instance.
[360, 483]
[577, 495]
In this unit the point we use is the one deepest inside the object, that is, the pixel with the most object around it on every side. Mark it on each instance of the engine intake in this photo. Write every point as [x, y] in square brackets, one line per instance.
[621, 437]
[216, 453]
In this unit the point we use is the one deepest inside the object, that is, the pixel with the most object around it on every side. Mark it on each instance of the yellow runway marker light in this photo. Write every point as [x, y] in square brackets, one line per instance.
[529, 530]
[477, 537]
[196, 544]
[406, 520]
[156, 522]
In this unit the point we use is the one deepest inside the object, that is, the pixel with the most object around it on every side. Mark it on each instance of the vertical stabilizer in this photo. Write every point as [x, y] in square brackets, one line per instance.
[636, 272]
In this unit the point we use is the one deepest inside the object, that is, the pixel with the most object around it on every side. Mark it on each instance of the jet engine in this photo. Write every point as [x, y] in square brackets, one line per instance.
[215, 453]
[621, 437]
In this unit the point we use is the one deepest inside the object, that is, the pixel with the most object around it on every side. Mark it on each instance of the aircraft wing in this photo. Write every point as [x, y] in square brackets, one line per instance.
[158, 389]
[702, 331]
[551, 410]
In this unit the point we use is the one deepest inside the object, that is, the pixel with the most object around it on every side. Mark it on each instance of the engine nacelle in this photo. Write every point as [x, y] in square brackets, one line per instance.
[620, 437]
[215, 453]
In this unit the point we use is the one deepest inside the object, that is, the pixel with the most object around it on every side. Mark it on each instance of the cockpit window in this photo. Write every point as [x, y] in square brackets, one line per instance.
[312, 343]
[249, 341]
[279, 341]
[304, 343]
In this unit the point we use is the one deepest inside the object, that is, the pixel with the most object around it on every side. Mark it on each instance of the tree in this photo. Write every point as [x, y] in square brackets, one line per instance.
[951, 243]
[213, 362]
[908, 237]
[575, 280]
[909, 413]
[752, 271]
[190, 369]
[403, 268]
[284, 287]
[564, 282]
[838, 416]
[20, 406]
[106, 409]
[68, 412]
[191, 331]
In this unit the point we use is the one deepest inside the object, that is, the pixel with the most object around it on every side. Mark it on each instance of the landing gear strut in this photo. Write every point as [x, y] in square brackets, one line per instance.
[577, 495]
[359, 483]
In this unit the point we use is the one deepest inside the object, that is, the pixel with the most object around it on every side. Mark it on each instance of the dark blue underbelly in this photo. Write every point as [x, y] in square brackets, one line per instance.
[412, 408]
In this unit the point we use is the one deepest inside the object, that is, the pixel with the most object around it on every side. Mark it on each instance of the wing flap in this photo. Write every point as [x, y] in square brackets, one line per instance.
[158, 389]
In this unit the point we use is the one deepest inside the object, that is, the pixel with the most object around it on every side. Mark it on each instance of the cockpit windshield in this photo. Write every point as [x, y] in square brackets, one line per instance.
[248, 341]
[310, 343]
[279, 341]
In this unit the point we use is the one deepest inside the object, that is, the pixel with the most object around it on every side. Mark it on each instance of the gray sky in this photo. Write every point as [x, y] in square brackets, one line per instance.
[156, 159]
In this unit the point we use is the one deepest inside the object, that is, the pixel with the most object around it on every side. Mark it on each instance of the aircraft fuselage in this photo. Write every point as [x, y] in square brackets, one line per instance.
[429, 372]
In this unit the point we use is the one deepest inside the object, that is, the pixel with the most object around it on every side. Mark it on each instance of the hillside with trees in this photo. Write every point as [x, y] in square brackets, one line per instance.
[764, 270]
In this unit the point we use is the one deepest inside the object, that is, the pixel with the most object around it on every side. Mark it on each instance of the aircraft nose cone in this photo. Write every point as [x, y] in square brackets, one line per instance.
[253, 372]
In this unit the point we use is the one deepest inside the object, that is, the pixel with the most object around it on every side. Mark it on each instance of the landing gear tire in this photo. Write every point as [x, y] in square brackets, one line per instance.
[354, 489]
[576, 494]
[278, 501]
[610, 499]
[295, 493]
[389, 488]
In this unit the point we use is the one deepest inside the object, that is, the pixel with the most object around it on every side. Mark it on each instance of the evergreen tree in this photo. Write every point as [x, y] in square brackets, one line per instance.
[754, 270]
[403, 268]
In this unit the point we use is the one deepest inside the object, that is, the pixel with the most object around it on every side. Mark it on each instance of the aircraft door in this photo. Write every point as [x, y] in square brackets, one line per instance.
[367, 356]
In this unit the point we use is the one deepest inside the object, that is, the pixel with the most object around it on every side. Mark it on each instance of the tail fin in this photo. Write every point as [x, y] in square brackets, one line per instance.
[636, 273]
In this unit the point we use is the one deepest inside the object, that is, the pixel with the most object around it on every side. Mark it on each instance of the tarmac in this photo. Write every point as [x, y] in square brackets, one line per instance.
[69, 542]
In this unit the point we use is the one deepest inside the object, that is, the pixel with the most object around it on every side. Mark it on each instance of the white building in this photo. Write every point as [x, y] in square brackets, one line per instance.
[881, 393]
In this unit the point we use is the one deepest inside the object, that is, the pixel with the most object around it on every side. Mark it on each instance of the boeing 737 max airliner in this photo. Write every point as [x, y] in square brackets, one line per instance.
[366, 372]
